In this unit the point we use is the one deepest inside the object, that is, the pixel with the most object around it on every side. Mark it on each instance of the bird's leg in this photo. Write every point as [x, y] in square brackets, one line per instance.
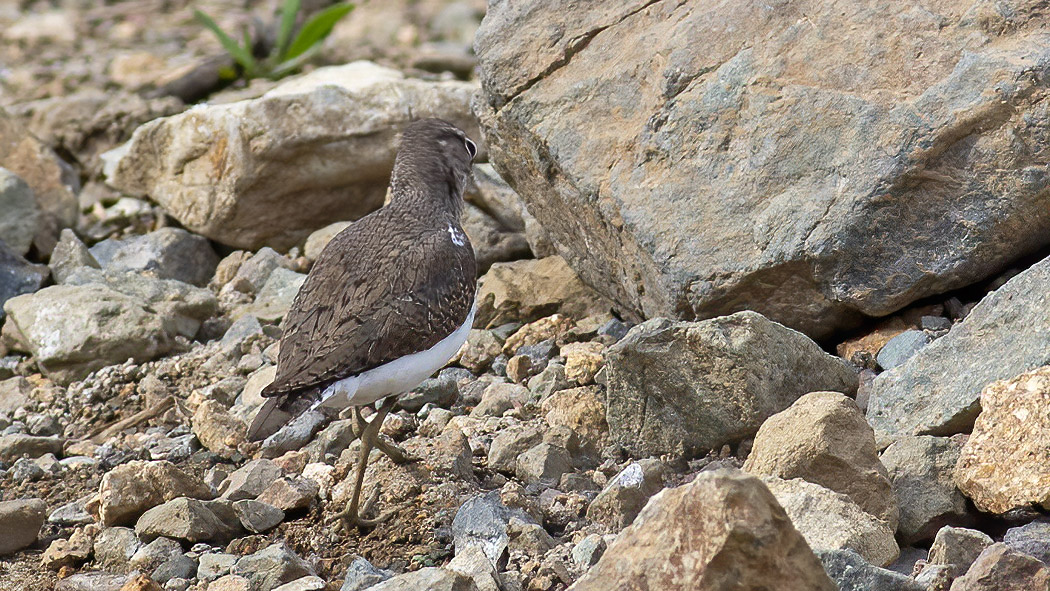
[369, 434]
[392, 451]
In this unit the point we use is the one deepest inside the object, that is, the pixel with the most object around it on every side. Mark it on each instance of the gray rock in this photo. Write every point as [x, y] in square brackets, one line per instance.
[272, 566]
[101, 320]
[253, 273]
[19, 214]
[25, 470]
[72, 513]
[688, 387]
[92, 581]
[431, 579]
[548, 381]
[509, 444]
[149, 556]
[248, 481]
[543, 463]
[832, 521]
[257, 517]
[331, 441]
[624, 496]
[1032, 539]
[114, 547]
[801, 194]
[442, 390]
[493, 195]
[17, 276]
[921, 469]
[588, 550]
[1003, 336]
[274, 297]
[307, 583]
[351, 113]
[184, 519]
[901, 347]
[958, 548]
[130, 489]
[294, 435]
[482, 521]
[290, 493]
[1002, 567]
[361, 575]
[214, 565]
[499, 397]
[16, 445]
[492, 242]
[167, 253]
[178, 566]
[20, 521]
[935, 323]
[852, 573]
[934, 577]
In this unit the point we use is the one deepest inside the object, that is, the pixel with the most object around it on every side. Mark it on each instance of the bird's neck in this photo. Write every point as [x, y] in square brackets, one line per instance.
[439, 201]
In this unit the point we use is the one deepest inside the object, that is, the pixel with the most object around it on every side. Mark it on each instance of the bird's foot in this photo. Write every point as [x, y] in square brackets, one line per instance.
[352, 518]
[395, 453]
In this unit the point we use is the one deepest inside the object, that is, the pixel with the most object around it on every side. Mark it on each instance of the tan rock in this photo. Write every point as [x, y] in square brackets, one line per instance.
[723, 530]
[538, 331]
[832, 521]
[527, 290]
[319, 239]
[269, 171]
[823, 438]
[871, 343]
[481, 348]
[216, 429]
[582, 410]
[1003, 465]
[1002, 568]
[130, 489]
[583, 360]
[70, 552]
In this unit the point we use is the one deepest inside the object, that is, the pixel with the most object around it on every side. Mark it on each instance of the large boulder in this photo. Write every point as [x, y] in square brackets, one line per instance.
[688, 387]
[268, 171]
[934, 393]
[921, 468]
[723, 530]
[850, 163]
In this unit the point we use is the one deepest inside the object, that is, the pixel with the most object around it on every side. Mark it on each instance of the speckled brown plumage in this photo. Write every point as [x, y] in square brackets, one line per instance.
[391, 284]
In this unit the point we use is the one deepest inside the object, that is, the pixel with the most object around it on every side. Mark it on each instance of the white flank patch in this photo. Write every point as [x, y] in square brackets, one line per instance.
[397, 376]
[457, 238]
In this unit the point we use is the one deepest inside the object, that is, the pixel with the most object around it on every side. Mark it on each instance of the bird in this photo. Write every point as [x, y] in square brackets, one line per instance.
[388, 302]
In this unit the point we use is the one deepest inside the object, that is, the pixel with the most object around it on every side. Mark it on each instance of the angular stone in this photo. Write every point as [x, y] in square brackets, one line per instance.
[212, 566]
[588, 550]
[583, 360]
[70, 254]
[114, 547]
[275, 296]
[294, 435]
[498, 398]
[1003, 464]
[19, 214]
[70, 552]
[236, 172]
[361, 575]
[216, 429]
[250, 480]
[92, 581]
[149, 556]
[20, 521]
[509, 444]
[524, 291]
[958, 548]
[698, 535]
[580, 409]
[1004, 335]
[482, 521]
[823, 438]
[289, 493]
[167, 253]
[480, 350]
[183, 519]
[803, 194]
[307, 583]
[545, 463]
[627, 493]
[1001, 568]
[130, 489]
[1032, 539]
[16, 445]
[430, 578]
[688, 387]
[257, 517]
[492, 242]
[230, 583]
[318, 239]
[272, 566]
[921, 468]
[852, 573]
[901, 347]
[832, 521]
[473, 563]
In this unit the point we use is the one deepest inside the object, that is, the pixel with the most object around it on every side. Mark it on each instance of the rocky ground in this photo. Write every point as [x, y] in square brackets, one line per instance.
[593, 440]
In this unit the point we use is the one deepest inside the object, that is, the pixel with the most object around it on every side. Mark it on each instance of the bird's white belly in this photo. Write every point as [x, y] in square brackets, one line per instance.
[397, 376]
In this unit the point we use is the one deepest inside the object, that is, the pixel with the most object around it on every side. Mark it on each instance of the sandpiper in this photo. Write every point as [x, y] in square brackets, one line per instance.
[387, 303]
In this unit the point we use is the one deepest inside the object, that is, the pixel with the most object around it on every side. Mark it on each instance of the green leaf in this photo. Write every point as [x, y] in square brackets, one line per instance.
[242, 55]
[284, 34]
[317, 28]
[288, 66]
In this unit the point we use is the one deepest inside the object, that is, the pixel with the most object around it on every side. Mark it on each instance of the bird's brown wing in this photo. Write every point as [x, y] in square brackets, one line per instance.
[368, 302]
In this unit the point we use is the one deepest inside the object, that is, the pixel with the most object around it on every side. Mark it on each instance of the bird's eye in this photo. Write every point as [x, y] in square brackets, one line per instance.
[472, 149]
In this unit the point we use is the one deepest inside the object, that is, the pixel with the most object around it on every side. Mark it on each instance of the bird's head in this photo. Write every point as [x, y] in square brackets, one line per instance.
[433, 160]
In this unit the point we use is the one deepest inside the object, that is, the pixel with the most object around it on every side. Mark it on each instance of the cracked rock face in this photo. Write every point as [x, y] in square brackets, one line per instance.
[822, 174]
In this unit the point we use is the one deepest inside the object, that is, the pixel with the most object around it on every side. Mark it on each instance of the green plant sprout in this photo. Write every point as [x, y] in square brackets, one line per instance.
[287, 54]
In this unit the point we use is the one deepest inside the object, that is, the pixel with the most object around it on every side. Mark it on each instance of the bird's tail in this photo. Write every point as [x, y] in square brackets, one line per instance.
[268, 420]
